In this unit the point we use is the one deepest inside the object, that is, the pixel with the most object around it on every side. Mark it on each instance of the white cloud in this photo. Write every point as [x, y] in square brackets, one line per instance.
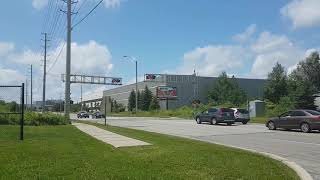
[89, 58]
[268, 42]
[302, 13]
[5, 48]
[26, 57]
[246, 35]
[269, 49]
[213, 59]
[11, 76]
[254, 58]
[39, 4]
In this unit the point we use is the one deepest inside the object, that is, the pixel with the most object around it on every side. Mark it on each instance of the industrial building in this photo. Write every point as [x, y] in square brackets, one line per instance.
[185, 89]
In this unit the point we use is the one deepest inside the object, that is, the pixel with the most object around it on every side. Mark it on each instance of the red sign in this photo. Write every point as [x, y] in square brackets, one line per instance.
[150, 76]
[166, 92]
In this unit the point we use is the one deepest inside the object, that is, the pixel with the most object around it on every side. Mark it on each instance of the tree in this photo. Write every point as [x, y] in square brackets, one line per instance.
[309, 70]
[117, 107]
[146, 99]
[301, 91]
[140, 97]
[154, 104]
[227, 91]
[238, 96]
[132, 101]
[276, 86]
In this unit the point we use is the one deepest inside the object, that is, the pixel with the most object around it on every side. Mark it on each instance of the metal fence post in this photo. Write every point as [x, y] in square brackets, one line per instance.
[105, 111]
[22, 112]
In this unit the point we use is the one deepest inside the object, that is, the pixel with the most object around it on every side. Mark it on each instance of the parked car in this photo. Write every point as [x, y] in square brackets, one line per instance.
[83, 114]
[215, 116]
[97, 115]
[241, 115]
[306, 120]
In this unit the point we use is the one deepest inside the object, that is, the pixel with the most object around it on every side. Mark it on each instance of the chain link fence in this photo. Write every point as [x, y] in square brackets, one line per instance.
[12, 106]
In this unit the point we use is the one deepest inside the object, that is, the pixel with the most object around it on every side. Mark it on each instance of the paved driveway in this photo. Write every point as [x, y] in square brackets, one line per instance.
[304, 149]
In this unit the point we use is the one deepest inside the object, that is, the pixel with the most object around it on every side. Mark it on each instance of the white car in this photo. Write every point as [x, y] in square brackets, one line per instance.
[241, 115]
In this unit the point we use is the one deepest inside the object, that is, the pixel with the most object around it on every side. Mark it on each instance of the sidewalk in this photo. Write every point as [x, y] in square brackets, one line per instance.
[113, 139]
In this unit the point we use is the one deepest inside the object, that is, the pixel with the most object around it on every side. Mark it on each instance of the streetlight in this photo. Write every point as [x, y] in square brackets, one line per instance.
[133, 59]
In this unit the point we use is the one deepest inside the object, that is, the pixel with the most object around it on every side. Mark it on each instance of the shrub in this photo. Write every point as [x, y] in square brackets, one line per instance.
[285, 104]
[35, 119]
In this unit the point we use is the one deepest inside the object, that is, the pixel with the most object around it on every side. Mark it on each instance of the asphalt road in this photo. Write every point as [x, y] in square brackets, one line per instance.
[302, 148]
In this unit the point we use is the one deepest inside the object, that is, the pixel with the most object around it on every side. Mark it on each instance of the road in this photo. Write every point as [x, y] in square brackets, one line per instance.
[302, 148]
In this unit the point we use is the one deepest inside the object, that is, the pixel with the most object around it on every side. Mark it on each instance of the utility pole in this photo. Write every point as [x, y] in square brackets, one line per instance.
[31, 88]
[136, 86]
[132, 59]
[26, 94]
[81, 97]
[68, 61]
[44, 73]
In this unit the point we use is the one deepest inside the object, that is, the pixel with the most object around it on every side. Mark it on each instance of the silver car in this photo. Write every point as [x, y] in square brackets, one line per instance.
[241, 115]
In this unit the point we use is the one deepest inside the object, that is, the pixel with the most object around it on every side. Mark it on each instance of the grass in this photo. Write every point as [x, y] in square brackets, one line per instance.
[261, 120]
[161, 114]
[63, 152]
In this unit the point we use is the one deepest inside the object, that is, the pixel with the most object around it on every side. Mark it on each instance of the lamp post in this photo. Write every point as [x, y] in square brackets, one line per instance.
[136, 63]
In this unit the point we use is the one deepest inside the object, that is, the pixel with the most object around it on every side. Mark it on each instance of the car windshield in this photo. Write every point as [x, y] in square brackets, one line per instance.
[226, 110]
[243, 111]
[315, 113]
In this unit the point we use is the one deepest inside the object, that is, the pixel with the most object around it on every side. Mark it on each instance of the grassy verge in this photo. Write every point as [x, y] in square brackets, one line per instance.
[161, 114]
[261, 120]
[63, 152]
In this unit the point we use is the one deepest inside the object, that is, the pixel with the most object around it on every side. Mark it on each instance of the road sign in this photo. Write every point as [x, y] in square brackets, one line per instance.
[85, 79]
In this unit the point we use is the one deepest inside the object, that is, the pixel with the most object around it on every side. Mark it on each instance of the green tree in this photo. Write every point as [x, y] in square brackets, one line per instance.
[301, 91]
[146, 99]
[132, 101]
[309, 70]
[276, 86]
[238, 95]
[227, 91]
[117, 107]
[140, 97]
[154, 105]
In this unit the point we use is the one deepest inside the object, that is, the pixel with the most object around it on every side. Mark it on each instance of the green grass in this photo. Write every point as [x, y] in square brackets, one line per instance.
[261, 120]
[63, 152]
[161, 114]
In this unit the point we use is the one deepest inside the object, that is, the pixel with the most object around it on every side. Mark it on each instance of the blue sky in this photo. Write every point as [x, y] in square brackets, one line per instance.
[244, 38]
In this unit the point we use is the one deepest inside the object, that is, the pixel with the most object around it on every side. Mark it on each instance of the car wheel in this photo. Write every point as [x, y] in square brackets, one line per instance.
[244, 122]
[271, 126]
[213, 121]
[305, 127]
[198, 120]
[229, 123]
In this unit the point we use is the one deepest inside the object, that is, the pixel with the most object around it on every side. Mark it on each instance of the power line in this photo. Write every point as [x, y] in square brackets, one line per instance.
[57, 57]
[87, 14]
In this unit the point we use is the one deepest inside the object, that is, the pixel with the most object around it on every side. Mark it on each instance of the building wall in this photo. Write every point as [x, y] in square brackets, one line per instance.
[121, 94]
[194, 87]
[189, 87]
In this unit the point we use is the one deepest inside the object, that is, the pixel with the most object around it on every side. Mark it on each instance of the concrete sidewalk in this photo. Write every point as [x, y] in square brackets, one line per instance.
[113, 139]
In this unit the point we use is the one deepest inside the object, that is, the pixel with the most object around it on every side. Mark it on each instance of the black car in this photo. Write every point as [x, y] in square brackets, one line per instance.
[97, 115]
[306, 120]
[216, 115]
[83, 114]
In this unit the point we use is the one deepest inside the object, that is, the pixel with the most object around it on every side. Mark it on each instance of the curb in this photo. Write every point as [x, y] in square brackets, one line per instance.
[302, 173]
